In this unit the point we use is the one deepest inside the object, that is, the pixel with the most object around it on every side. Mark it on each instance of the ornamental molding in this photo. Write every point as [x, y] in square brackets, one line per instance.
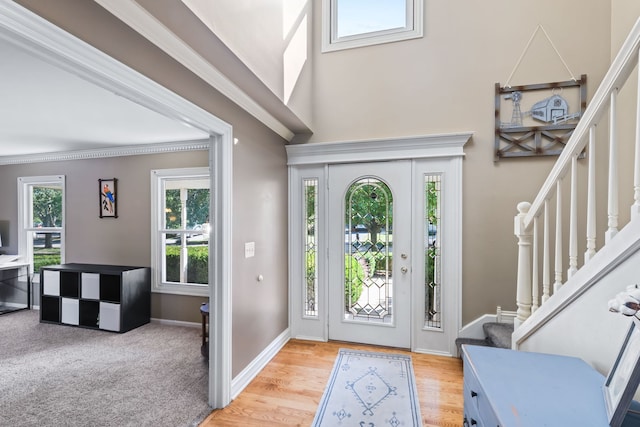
[98, 153]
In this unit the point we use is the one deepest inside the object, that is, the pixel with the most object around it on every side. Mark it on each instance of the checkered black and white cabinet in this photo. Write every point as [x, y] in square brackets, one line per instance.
[110, 297]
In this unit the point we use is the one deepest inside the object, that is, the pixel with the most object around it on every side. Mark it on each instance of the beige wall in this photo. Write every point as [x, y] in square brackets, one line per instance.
[260, 311]
[272, 37]
[624, 14]
[444, 82]
[262, 47]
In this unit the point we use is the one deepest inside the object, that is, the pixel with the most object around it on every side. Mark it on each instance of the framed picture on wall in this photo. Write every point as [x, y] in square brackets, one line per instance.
[108, 189]
[624, 377]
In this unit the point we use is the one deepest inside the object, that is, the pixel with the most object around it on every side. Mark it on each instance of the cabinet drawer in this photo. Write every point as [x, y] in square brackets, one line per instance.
[476, 404]
[90, 285]
[70, 310]
[109, 316]
[478, 401]
[471, 415]
[51, 283]
[487, 416]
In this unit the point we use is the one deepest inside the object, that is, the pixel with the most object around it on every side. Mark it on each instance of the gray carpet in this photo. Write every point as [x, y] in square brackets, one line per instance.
[54, 375]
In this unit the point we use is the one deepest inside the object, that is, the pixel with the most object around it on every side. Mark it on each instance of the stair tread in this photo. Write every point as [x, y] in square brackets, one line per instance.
[499, 334]
[471, 341]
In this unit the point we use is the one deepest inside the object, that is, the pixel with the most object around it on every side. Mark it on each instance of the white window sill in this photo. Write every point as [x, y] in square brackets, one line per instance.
[196, 291]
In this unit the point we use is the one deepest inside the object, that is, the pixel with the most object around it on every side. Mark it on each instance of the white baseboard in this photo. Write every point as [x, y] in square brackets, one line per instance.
[474, 328]
[309, 338]
[434, 353]
[154, 320]
[242, 380]
[176, 323]
[14, 305]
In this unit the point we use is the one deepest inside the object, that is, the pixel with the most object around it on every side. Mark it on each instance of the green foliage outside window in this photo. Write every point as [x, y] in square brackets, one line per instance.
[353, 274]
[47, 206]
[311, 297]
[353, 279]
[44, 259]
[370, 203]
[47, 210]
[197, 264]
[197, 208]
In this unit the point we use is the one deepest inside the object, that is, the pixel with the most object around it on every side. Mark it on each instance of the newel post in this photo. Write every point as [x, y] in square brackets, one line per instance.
[523, 294]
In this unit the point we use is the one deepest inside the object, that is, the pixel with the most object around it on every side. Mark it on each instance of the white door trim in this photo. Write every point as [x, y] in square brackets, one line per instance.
[313, 160]
[60, 48]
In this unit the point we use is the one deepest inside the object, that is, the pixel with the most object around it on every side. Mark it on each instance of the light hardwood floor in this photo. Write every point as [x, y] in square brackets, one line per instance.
[288, 390]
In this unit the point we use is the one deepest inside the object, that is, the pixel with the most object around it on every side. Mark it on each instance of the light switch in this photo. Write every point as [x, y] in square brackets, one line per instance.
[249, 249]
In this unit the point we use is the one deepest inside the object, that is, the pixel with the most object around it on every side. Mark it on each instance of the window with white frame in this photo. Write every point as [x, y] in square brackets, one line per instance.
[180, 230]
[41, 210]
[355, 23]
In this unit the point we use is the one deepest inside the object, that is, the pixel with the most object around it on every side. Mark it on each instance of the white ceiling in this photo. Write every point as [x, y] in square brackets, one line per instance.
[44, 109]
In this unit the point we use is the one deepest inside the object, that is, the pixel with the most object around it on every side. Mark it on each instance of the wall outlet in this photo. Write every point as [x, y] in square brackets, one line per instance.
[249, 249]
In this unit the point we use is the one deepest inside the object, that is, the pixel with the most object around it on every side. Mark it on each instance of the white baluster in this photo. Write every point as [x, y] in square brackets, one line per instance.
[613, 171]
[573, 219]
[546, 262]
[635, 208]
[535, 292]
[523, 292]
[558, 267]
[591, 197]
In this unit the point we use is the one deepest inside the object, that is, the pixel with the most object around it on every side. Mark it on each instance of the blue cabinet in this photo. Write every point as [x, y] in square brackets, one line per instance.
[508, 388]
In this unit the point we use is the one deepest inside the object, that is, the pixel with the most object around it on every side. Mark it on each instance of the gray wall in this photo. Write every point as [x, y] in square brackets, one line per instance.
[89, 239]
[260, 310]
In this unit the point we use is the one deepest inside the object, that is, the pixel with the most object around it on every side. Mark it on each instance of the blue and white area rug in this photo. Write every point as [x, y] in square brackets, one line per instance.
[370, 390]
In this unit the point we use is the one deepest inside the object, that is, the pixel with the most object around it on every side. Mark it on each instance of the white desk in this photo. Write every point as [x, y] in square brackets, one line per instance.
[12, 296]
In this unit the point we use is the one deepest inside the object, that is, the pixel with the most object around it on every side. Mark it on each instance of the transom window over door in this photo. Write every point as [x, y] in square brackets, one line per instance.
[180, 231]
[356, 23]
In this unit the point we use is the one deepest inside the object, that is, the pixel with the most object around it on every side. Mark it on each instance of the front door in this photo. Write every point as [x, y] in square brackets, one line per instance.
[369, 253]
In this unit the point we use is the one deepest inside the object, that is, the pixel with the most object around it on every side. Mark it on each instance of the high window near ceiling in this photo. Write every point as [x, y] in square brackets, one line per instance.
[41, 220]
[180, 231]
[356, 23]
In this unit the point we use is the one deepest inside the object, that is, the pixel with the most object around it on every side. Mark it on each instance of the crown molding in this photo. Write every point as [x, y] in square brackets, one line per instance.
[119, 151]
[140, 20]
[414, 147]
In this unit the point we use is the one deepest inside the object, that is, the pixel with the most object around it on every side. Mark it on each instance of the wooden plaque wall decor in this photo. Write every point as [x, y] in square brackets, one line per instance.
[544, 128]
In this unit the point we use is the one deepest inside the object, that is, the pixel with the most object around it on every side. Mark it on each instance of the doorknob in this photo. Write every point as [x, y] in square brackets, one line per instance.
[404, 270]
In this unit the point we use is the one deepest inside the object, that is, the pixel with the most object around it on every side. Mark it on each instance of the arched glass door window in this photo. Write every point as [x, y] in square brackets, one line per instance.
[368, 251]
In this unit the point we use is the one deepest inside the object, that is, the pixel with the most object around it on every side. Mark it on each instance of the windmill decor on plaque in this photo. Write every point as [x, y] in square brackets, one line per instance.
[537, 119]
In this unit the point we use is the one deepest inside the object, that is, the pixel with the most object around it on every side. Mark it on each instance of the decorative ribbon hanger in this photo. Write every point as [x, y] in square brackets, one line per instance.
[538, 28]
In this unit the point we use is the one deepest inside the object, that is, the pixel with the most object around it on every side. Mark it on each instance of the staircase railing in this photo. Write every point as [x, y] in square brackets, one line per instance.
[533, 222]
